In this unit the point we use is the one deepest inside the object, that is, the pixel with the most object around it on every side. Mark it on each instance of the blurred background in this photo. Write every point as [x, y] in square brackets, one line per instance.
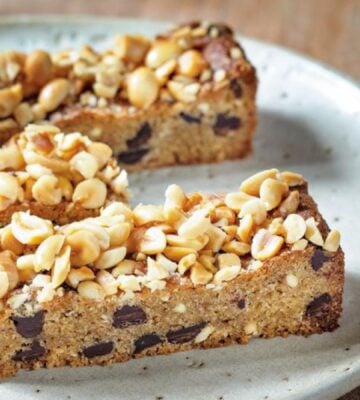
[328, 30]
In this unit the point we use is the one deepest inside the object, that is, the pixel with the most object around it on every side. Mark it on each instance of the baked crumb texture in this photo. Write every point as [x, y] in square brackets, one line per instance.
[187, 96]
[58, 177]
[198, 271]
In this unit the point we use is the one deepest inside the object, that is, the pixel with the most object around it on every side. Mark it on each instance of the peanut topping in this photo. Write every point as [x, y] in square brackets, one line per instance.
[295, 228]
[312, 232]
[332, 241]
[54, 93]
[143, 87]
[265, 245]
[252, 185]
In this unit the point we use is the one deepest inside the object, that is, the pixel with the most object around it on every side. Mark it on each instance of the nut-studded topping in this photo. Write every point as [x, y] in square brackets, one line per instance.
[228, 260]
[265, 245]
[143, 87]
[46, 191]
[85, 163]
[9, 98]
[85, 248]
[200, 275]
[295, 228]
[227, 274]
[9, 190]
[90, 193]
[8, 265]
[191, 63]
[291, 178]
[110, 258]
[195, 226]
[312, 232]
[61, 267]
[256, 208]
[54, 93]
[38, 68]
[29, 229]
[272, 192]
[332, 241]
[153, 241]
[47, 251]
[252, 185]
[236, 200]
[91, 290]
[162, 51]
[131, 48]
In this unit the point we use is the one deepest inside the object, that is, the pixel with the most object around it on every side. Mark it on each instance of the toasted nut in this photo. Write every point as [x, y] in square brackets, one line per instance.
[119, 233]
[47, 251]
[290, 204]
[91, 290]
[196, 225]
[23, 114]
[252, 185]
[186, 262]
[216, 238]
[143, 87]
[46, 191]
[125, 267]
[177, 253]
[39, 112]
[230, 231]
[332, 241]
[164, 71]
[90, 193]
[30, 229]
[131, 48]
[155, 270]
[161, 52]
[179, 241]
[276, 227]
[65, 188]
[85, 163]
[272, 192]
[165, 262]
[199, 275]
[85, 248]
[101, 151]
[9, 190]
[174, 197]
[46, 294]
[236, 200]
[25, 262]
[36, 171]
[153, 241]
[265, 245]
[291, 178]
[191, 63]
[120, 183]
[295, 228]
[8, 265]
[180, 308]
[245, 228]
[107, 282]
[291, 280]
[54, 93]
[9, 242]
[118, 208]
[300, 245]
[110, 258]
[185, 93]
[10, 97]
[77, 275]
[227, 274]
[129, 283]
[38, 68]
[256, 208]
[251, 328]
[61, 267]
[4, 284]
[224, 213]
[236, 247]
[11, 157]
[312, 233]
[144, 214]
[228, 260]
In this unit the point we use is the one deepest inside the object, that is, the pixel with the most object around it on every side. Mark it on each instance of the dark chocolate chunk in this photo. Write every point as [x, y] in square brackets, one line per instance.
[217, 53]
[241, 304]
[98, 349]
[132, 157]
[184, 335]
[224, 124]
[190, 119]
[29, 327]
[152, 339]
[34, 351]
[318, 259]
[128, 315]
[141, 138]
[319, 305]
[236, 88]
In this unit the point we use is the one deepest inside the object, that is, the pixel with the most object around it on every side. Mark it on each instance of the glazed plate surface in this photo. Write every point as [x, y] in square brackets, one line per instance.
[309, 121]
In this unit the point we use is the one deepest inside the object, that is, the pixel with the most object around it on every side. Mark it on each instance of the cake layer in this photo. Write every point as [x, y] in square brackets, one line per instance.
[199, 271]
[187, 96]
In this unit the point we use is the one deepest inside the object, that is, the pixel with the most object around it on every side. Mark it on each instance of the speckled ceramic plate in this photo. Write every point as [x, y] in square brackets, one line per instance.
[309, 122]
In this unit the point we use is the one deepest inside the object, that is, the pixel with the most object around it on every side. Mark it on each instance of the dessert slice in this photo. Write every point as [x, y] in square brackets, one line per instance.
[197, 272]
[187, 96]
[57, 177]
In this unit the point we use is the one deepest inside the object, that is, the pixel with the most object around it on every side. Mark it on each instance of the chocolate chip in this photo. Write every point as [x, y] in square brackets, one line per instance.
[29, 327]
[98, 349]
[34, 351]
[128, 315]
[146, 341]
[318, 306]
[241, 304]
[318, 259]
[141, 138]
[190, 119]
[225, 123]
[184, 335]
[236, 88]
[133, 156]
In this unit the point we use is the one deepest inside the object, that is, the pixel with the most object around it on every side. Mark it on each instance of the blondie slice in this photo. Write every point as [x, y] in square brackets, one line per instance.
[187, 96]
[199, 271]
